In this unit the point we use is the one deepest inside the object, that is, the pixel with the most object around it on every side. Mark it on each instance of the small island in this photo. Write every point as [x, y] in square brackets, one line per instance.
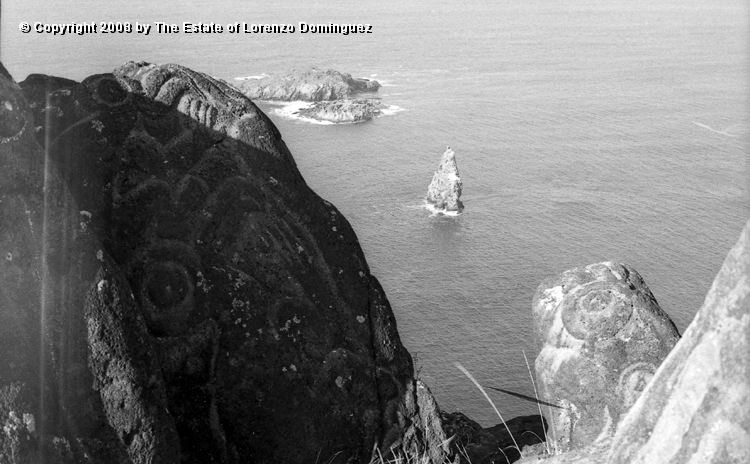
[311, 85]
[336, 96]
[341, 111]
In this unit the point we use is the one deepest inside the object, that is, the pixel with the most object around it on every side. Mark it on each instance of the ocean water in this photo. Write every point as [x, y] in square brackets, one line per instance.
[584, 131]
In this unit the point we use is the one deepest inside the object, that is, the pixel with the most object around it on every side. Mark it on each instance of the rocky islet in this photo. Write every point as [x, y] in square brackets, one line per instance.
[335, 97]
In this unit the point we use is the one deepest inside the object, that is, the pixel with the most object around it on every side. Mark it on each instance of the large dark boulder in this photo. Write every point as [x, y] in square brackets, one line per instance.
[210, 307]
[78, 378]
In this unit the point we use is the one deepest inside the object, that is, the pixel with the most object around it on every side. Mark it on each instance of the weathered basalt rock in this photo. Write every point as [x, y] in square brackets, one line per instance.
[444, 192]
[222, 311]
[78, 382]
[309, 85]
[602, 337]
[343, 111]
[694, 409]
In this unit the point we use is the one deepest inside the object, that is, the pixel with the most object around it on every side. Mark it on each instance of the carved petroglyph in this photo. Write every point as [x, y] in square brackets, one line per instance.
[601, 331]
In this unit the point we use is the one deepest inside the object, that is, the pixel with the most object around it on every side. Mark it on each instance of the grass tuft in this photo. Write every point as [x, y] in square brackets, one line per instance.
[471, 377]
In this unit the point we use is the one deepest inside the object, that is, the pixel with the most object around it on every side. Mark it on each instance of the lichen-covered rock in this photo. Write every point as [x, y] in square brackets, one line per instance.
[343, 111]
[444, 192]
[602, 337]
[697, 407]
[307, 85]
[78, 382]
[274, 341]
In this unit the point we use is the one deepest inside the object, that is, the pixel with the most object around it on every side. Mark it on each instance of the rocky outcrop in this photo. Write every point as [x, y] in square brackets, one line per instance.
[221, 310]
[77, 373]
[308, 85]
[694, 408]
[493, 444]
[343, 111]
[444, 192]
[602, 337]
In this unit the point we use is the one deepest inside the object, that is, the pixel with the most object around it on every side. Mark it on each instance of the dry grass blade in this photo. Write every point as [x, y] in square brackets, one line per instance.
[536, 394]
[471, 377]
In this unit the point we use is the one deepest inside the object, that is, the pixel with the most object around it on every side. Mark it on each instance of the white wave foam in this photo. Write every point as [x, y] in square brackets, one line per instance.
[391, 110]
[290, 110]
[438, 211]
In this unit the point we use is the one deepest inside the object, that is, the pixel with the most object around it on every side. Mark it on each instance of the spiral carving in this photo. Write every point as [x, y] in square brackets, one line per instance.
[633, 380]
[595, 310]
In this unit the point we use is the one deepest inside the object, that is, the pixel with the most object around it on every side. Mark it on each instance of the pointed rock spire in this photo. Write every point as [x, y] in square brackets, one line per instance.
[445, 189]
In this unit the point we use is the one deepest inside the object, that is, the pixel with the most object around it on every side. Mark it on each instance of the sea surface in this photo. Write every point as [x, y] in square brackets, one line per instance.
[584, 131]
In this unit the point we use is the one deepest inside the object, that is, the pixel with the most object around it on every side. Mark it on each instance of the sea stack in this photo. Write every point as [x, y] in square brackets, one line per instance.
[445, 189]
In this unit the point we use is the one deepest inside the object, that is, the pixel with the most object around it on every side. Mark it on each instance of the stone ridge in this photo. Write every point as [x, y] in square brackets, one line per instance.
[245, 297]
[309, 85]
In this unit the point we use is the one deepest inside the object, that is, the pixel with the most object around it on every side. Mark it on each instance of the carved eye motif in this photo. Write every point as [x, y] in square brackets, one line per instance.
[167, 297]
[595, 311]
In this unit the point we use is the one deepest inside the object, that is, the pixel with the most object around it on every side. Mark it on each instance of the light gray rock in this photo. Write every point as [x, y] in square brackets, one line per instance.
[602, 337]
[343, 111]
[307, 85]
[444, 192]
[697, 407]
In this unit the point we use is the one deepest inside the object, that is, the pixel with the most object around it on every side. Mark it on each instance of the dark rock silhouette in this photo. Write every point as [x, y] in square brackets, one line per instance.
[602, 336]
[493, 444]
[307, 85]
[77, 372]
[200, 302]
[444, 192]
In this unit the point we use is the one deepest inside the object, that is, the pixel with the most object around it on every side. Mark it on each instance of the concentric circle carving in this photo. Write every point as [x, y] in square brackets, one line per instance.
[167, 297]
[595, 310]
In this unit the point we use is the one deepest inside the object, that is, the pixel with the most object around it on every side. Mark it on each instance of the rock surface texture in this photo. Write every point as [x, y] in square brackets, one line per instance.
[492, 444]
[199, 303]
[602, 337]
[77, 373]
[343, 111]
[444, 192]
[695, 408]
[309, 85]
